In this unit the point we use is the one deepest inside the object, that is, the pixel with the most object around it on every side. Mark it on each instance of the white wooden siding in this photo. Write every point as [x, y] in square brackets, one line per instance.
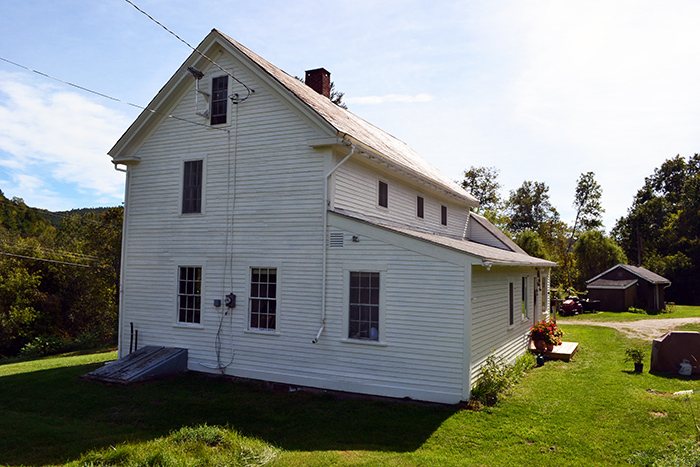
[355, 190]
[490, 329]
[477, 233]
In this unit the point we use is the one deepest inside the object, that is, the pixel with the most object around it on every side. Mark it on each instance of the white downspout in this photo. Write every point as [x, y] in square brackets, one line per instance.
[325, 242]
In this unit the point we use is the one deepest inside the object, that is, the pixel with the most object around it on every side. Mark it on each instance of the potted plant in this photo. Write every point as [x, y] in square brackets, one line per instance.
[546, 334]
[635, 355]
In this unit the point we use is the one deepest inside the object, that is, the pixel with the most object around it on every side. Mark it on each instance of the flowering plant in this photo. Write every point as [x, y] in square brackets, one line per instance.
[547, 331]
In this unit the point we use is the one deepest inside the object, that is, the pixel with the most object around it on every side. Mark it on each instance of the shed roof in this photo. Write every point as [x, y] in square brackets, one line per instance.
[638, 271]
[483, 252]
[612, 284]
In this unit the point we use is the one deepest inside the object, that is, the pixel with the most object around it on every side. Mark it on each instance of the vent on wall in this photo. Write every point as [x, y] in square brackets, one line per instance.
[336, 240]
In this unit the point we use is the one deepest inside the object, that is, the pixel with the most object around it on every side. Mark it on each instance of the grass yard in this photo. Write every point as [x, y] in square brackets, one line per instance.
[591, 411]
[680, 311]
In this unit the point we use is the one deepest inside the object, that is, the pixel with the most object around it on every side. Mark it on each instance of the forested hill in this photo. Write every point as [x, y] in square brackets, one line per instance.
[59, 277]
[18, 218]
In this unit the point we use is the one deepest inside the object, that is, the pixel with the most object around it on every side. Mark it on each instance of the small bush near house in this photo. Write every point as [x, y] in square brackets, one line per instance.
[497, 376]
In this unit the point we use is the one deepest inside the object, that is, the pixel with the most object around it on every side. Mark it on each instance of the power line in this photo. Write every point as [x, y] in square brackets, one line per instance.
[82, 88]
[47, 260]
[249, 90]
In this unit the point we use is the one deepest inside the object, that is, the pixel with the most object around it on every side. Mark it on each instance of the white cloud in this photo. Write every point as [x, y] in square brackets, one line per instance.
[53, 137]
[372, 100]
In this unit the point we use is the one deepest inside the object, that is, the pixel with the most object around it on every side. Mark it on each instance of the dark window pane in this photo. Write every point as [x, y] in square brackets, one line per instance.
[420, 207]
[383, 194]
[443, 215]
[219, 100]
[192, 187]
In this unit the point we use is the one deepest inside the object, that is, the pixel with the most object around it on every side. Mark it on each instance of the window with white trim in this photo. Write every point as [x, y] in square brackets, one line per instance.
[219, 100]
[443, 215]
[383, 194]
[192, 187]
[364, 310]
[420, 207]
[189, 296]
[511, 308]
[525, 308]
[263, 299]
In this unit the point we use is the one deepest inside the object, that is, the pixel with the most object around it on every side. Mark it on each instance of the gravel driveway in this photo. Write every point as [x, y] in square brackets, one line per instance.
[643, 329]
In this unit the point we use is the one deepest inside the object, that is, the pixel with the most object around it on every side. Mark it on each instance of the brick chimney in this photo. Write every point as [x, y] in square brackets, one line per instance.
[320, 81]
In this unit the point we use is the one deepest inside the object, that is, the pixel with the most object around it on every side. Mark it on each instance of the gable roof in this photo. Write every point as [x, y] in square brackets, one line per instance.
[638, 271]
[347, 125]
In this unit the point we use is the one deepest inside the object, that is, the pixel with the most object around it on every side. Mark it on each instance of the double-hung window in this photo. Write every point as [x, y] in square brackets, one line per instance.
[263, 299]
[525, 309]
[219, 100]
[192, 187]
[189, 296]
[364, 310]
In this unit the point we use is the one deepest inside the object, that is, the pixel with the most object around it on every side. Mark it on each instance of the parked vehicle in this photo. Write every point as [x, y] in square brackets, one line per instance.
[574, 305]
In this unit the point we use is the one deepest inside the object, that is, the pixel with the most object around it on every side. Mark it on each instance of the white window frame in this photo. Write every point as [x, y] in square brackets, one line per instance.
[278, 289]
[379, 180]
[511, 303]
[524, 298]
[421, 197]
[380, 268]
[229, 104]
[181, 187]
[178, 267]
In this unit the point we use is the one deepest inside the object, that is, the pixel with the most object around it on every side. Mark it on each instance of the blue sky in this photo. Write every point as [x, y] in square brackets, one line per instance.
[542, 90]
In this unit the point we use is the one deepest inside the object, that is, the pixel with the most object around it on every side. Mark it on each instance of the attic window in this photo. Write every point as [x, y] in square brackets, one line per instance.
[219, 96]
[420, 205]
[383, 194]
[443, 215]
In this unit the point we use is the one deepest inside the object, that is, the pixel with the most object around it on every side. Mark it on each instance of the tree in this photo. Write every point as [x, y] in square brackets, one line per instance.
[595, 253]
[662, 227]
[337, 97]
[589, 209]
[529, 208]
[482, 182]
[532, 243]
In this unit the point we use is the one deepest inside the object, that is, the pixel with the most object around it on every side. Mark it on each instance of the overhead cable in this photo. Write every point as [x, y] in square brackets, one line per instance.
[248, 90]
[82, 88]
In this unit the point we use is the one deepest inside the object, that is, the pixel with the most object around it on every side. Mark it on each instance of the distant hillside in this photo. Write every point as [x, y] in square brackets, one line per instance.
[56, 217]
[15, 216]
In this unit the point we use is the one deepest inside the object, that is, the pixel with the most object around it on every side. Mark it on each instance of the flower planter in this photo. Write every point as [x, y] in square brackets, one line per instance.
[638, 367]
[539, 344]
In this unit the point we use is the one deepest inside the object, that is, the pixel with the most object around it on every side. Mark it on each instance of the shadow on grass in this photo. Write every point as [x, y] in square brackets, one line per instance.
[53, 415]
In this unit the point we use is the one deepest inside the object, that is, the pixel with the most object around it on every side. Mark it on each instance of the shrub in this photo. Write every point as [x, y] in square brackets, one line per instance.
[497, 376]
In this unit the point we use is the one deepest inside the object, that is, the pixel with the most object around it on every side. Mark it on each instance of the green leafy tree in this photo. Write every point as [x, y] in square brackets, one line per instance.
[595, 253]
[528, 207]
[661, 230]
[482, 182]
[532, 243]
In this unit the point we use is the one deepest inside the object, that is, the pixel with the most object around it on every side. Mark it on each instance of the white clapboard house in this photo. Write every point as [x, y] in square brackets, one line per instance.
[279, 237]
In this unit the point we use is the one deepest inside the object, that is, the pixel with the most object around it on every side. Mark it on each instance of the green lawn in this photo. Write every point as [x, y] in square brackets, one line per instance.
[590, 411]
[680, 311]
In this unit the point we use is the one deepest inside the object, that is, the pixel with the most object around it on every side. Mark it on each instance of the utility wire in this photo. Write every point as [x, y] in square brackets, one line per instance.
[248, 90]
[82, 88]
[47, 260]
